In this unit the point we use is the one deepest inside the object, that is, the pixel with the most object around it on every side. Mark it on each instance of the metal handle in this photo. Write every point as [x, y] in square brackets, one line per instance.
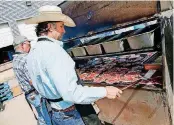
[128, 86]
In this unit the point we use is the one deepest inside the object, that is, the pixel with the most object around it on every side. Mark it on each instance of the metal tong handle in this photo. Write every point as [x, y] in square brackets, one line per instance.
[147, 76]
[128, 86]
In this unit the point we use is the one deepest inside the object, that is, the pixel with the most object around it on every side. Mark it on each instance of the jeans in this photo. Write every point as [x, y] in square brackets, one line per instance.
[41, 108]
[67, 118]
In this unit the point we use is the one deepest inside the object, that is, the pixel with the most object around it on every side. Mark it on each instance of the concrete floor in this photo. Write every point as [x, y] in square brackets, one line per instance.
[17, 112]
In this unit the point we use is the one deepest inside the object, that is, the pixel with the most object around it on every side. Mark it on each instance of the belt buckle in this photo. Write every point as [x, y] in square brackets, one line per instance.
[68, 109]
[32, 97]
[64, 110]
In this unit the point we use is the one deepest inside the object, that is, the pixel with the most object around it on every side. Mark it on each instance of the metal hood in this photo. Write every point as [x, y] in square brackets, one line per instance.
[100, 15]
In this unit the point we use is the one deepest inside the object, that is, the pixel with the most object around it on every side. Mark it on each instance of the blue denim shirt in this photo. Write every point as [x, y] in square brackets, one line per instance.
[53, 74]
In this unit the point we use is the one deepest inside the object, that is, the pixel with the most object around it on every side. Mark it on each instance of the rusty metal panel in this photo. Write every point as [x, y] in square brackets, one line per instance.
[95, 12]
[136, 107]
[100, 15]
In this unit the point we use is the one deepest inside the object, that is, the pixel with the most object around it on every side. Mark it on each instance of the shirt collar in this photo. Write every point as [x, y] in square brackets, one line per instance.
[56, 41]
[19, 53]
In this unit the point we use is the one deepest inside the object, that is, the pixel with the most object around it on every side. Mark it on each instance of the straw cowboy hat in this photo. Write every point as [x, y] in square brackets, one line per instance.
[51, 13]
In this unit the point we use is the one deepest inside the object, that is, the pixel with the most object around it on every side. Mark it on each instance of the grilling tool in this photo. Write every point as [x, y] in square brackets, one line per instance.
[147, 76]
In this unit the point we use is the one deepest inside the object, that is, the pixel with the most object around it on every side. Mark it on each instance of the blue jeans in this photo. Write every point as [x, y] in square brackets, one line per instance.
[67, 118]
[41, 108]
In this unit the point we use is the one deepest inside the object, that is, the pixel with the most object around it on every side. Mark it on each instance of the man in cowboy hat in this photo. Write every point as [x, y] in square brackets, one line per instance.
[22, 47]
[53, 71]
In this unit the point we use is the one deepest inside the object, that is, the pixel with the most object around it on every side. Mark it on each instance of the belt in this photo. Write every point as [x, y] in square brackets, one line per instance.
[30, 91]
[54, 100]
[64, 110]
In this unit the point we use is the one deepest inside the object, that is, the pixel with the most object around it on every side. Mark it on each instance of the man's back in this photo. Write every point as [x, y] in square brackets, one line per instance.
[53, 74]
[37, 61]
[19, 67]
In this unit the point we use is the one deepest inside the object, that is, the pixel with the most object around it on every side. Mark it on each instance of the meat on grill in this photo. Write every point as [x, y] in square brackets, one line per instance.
[99, 79]
[112, 70]
[83, 76]
[91, 76]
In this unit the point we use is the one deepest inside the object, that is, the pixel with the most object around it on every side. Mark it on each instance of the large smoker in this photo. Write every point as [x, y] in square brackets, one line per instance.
[116, 43]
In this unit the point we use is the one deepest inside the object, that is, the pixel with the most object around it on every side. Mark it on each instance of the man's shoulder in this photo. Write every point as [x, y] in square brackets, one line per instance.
[42, 48]
[19, 58]
[45, 44]
[19, 62]
[47, 47]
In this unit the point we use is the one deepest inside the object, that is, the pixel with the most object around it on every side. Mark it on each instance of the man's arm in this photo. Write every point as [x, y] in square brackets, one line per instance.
[26, 73]
[60, 68]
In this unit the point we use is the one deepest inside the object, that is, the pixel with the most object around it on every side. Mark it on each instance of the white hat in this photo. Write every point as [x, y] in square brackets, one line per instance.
[20, 39]
[51, 13]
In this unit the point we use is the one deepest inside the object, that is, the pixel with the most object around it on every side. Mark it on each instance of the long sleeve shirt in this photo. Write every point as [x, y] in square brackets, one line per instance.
[21, 72]
[53, 74]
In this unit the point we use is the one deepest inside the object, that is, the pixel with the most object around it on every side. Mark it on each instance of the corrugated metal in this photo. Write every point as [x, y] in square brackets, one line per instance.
[14, 28]
[20, 28]
[28, 31]
[10, 11]
[5, 35]
[17, 10]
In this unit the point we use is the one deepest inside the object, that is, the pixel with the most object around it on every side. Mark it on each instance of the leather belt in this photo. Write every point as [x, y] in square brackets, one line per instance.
[64, 110]
[30, 91]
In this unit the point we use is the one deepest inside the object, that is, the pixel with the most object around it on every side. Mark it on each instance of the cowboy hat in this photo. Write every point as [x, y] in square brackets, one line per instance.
[51, 13]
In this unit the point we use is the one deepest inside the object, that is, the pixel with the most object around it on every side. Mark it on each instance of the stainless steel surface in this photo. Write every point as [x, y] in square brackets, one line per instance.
[142, 40]
[113, 46]
[168, 83]
[78, 51]
[149, 74]
[93, 49]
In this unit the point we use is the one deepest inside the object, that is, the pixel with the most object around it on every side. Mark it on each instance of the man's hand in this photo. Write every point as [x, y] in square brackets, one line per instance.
[113, 92]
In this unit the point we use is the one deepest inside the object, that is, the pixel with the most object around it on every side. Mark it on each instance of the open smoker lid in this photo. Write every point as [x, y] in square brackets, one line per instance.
[98, 16]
